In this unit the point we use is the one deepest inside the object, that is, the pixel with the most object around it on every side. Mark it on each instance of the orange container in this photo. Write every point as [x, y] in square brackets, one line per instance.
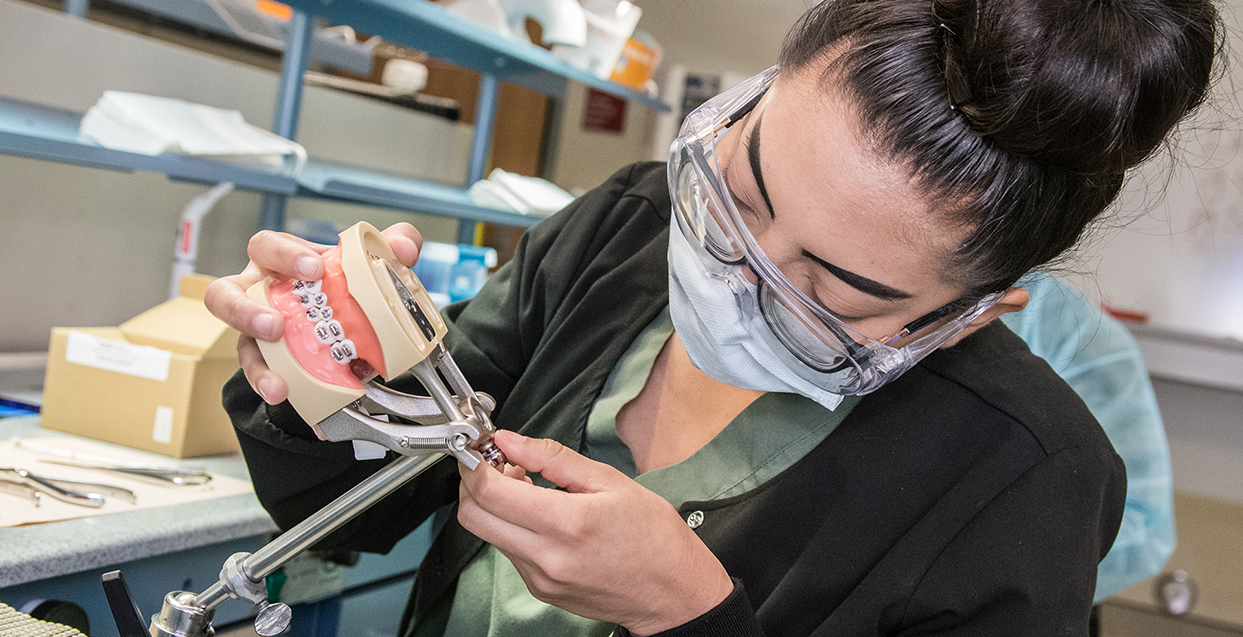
[275, 9]
[636, 65]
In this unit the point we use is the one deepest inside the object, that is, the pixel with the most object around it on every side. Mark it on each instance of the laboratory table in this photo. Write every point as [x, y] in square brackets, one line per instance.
[181, 547]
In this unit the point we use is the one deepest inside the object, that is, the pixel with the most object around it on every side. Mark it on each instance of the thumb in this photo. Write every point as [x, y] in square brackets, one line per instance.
[558, 464]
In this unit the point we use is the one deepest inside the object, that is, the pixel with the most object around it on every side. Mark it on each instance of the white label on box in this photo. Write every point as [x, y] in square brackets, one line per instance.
[118, 356]
[162, 432]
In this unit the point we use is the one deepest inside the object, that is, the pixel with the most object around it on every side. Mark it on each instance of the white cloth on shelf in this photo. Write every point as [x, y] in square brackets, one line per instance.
[153, 125]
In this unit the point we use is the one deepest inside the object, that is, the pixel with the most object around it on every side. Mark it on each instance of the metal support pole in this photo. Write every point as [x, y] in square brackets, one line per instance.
[481, 142]
[323, 523]
[77, 8]
[288, 105]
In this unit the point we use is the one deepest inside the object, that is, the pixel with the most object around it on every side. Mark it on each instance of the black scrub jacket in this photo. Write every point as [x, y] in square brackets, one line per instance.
[974, 495]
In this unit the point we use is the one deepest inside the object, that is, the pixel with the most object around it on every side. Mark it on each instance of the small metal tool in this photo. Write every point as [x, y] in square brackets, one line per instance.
[21, 490]
[89, 494]
[159, 475]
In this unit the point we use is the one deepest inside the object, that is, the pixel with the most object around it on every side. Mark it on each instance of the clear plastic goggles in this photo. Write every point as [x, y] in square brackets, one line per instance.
[821, 347]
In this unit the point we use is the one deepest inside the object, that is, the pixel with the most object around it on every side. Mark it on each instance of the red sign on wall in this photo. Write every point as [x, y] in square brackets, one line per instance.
[604, 113]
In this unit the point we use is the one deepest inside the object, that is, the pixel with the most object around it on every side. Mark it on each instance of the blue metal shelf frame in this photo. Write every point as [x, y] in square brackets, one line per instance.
[425, 26]
[288, 106]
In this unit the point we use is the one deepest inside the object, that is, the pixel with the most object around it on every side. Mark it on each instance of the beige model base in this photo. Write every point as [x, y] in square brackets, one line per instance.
[366, 260]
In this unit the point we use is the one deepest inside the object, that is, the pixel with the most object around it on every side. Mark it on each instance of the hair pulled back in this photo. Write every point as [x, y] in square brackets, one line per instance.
[1020, 116]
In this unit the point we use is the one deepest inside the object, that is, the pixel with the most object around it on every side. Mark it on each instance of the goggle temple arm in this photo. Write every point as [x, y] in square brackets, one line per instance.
[741, 111]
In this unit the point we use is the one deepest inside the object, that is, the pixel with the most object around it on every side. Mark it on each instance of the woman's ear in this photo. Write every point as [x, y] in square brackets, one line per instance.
[1013, 300]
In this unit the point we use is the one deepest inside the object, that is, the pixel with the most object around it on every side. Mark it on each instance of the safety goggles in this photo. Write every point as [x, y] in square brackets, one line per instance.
[825, 349]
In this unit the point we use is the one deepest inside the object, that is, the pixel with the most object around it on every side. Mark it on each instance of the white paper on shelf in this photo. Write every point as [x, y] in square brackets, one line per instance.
[525, 195]
[153, 125]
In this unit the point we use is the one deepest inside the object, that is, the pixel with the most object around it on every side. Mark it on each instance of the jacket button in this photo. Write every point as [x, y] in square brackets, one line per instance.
[695, 519]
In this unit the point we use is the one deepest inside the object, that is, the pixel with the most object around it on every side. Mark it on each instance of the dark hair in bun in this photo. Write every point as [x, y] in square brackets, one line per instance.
[1021, 116]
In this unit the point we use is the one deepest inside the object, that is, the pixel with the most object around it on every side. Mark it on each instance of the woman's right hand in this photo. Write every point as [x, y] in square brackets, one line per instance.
[283, 257]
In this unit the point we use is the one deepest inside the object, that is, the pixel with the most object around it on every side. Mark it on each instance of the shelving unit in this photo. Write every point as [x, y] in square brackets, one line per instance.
[249, 25]
[42, 132]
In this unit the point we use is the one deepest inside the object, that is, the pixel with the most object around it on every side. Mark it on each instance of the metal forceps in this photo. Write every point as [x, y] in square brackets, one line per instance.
[33, 487]
[160, 475]
[163, 475]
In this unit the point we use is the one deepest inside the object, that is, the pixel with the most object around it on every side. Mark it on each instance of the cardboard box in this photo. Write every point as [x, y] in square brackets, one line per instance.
[153, 383]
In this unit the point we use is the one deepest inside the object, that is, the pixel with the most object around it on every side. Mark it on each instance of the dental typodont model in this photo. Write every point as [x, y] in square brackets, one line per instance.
[368, 319]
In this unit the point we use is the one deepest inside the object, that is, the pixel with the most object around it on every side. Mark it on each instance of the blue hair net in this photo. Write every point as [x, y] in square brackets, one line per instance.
[1100, 360]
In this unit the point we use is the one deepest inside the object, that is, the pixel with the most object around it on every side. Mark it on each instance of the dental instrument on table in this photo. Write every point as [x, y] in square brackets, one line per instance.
[32, 486]
[159, 475]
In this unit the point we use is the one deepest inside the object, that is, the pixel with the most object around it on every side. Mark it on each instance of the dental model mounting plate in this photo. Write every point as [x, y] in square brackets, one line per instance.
[370, 318]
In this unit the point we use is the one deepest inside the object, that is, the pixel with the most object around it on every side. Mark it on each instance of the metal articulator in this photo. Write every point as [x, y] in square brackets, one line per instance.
[452, 421]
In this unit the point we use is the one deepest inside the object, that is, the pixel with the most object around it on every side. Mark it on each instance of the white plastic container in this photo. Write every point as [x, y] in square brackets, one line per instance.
[610, 23]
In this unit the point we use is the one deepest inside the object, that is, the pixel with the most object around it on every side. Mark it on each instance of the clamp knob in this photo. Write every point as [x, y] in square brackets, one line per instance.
[273, 619]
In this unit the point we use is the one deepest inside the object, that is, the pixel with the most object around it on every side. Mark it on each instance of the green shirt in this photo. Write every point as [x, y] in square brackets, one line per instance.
[768, 436]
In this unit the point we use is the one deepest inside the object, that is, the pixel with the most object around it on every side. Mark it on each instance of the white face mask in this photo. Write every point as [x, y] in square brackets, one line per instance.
[723, 341]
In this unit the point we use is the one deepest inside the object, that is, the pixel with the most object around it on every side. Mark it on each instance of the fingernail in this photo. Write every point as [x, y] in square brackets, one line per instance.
[307, 267]
[508, 436]
[263, 389]
[263, 324]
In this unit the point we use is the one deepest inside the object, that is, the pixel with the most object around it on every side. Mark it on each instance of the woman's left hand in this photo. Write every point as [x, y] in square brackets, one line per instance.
[605, 548]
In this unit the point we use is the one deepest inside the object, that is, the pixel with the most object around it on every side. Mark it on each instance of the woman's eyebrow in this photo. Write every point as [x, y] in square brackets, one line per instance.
[861, 283]
[753, 158]
[858, 282]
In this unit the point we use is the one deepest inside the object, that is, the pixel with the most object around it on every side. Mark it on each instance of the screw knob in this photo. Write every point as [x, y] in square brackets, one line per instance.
[273, 619]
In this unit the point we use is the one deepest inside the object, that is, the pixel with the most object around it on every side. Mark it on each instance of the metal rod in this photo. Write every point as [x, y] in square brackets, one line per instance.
[485, 121]
[288, 106]
[272, 212]
[323, 523]
[293, 66]
[481, 142]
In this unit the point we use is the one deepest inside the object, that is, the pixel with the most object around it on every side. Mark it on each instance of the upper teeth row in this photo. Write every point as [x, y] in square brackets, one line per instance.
[327, 329]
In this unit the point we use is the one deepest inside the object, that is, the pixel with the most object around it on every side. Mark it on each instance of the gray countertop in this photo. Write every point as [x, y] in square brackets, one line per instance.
[40, 551]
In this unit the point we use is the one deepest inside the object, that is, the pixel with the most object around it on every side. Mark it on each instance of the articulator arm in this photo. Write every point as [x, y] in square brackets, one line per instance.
[452, 420]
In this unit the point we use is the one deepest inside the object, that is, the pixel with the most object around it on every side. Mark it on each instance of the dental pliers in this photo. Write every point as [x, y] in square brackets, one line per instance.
[33, 487]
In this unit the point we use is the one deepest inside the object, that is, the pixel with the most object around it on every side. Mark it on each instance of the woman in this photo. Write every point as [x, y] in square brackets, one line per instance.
[765, 376]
